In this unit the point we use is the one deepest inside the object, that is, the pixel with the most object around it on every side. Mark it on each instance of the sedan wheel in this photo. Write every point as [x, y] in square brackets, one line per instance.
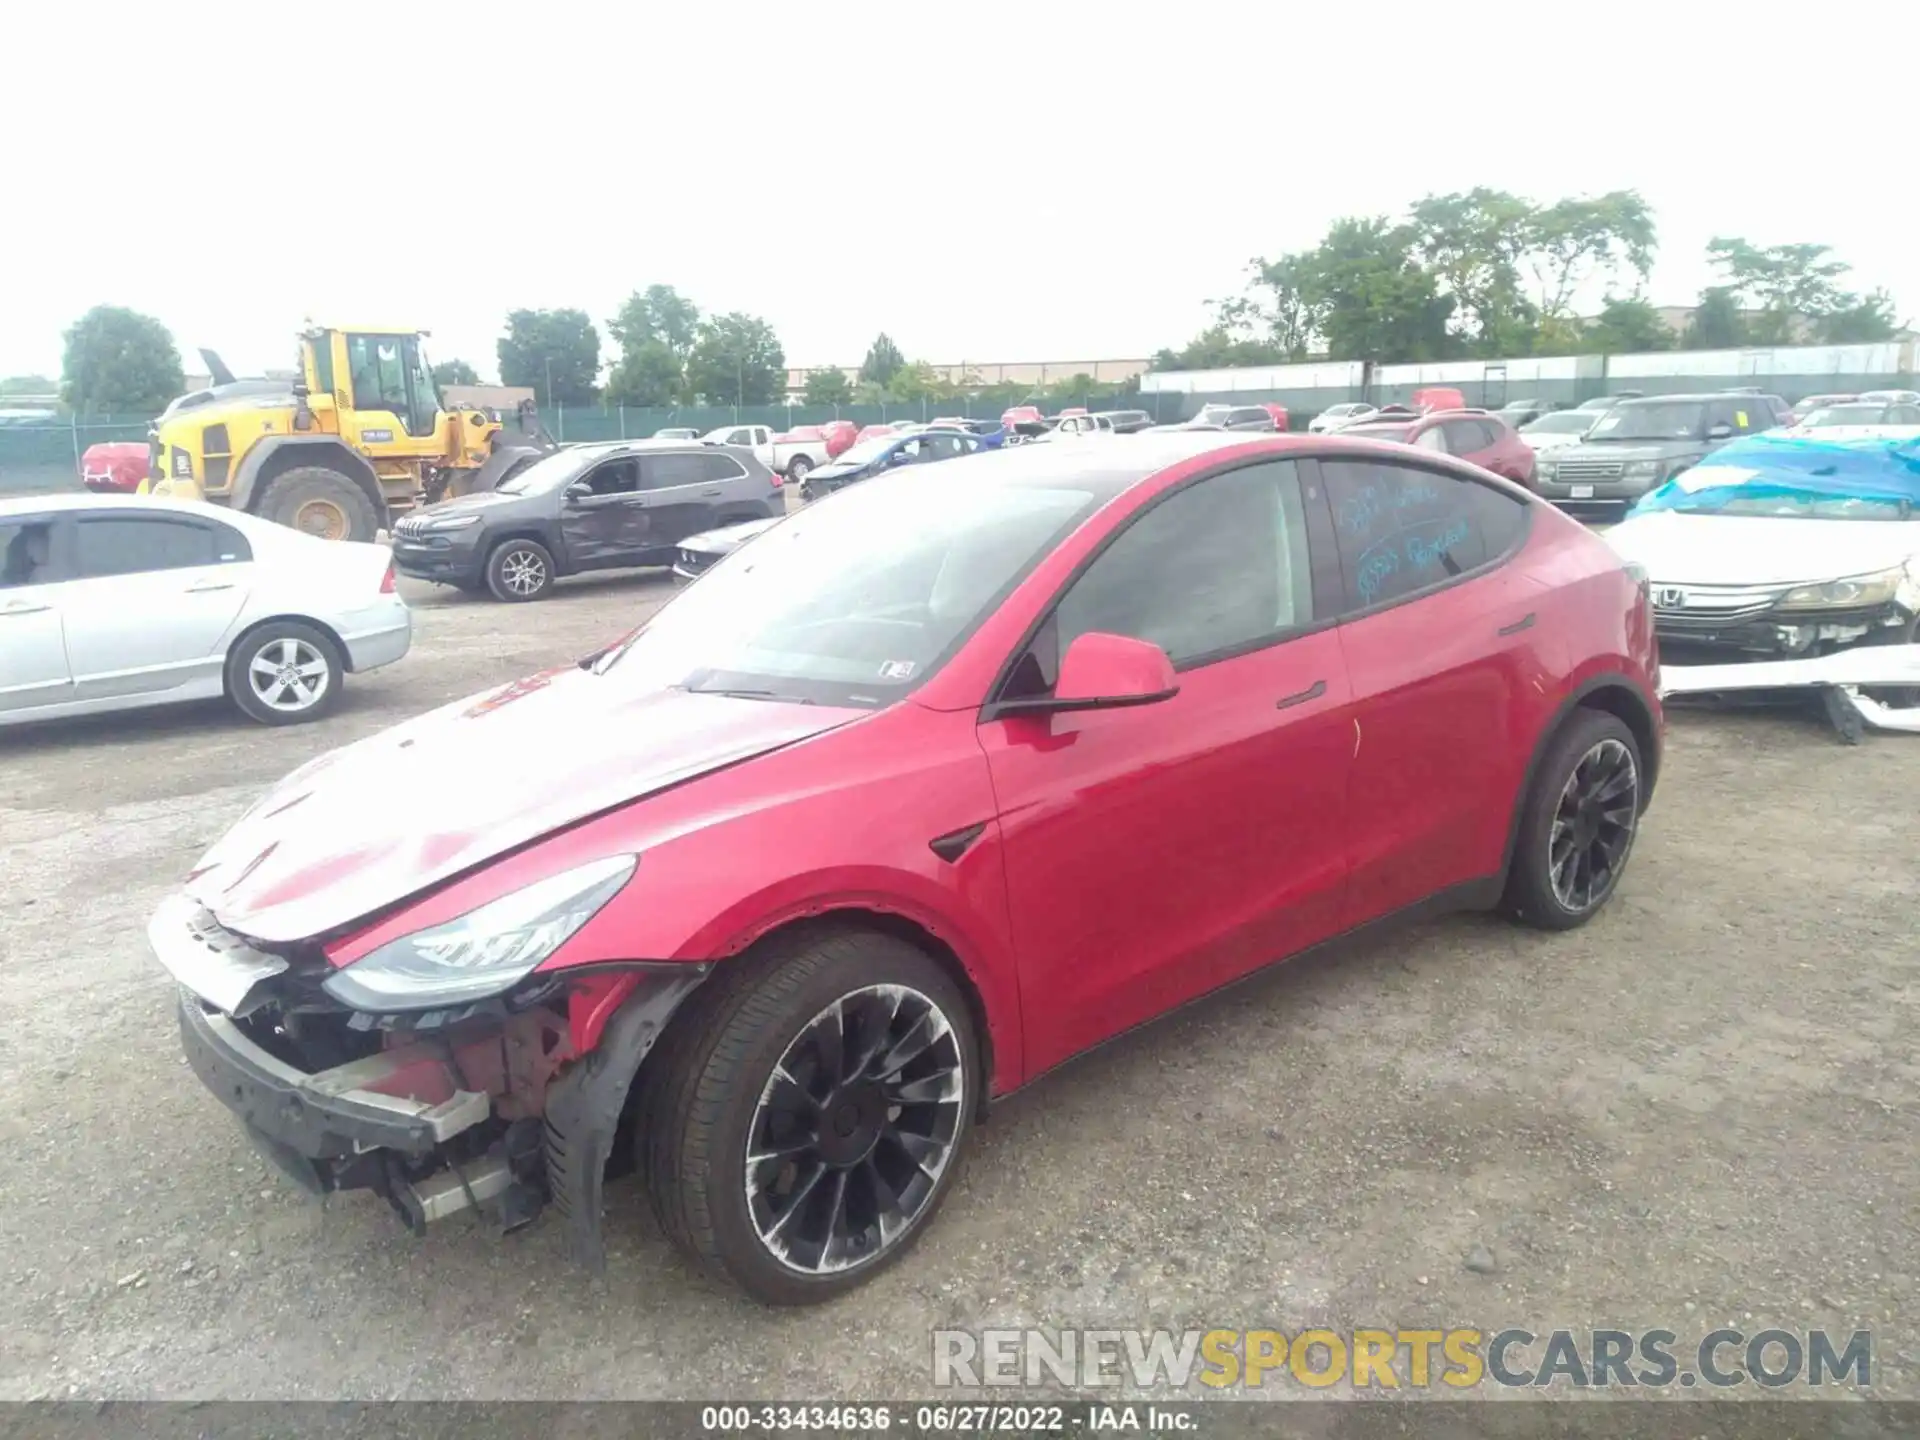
[284, 673]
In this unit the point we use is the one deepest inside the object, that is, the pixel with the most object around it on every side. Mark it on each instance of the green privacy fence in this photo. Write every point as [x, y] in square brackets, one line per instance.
[581, 423]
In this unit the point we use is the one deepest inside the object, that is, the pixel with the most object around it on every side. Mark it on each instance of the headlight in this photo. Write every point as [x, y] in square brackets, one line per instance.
[450, 522]
[1642, 470]
[1855, 591]
[182, 464]
[484, 951]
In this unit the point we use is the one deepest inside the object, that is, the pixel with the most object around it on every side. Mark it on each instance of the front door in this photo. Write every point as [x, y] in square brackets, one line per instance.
[1153, 854]
[1444, 643]
[33, 652]
[610, 525]
[149, 602]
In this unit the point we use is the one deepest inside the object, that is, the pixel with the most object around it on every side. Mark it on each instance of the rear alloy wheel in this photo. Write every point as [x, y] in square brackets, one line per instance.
[805, 1125]
[284, 673]
[519, 570]
[1579, 824]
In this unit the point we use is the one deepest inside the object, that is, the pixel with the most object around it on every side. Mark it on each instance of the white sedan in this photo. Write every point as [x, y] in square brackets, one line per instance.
[118, 602]
[1336, 417]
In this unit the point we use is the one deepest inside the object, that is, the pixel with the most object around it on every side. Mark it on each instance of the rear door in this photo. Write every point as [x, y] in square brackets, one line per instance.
[1444, 640]
[150, 601]
[685, 492]
[33, 651]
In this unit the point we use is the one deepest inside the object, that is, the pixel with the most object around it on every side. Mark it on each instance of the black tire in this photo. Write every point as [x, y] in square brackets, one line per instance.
[319, 501]
[1596, 740]
[284, 673]
[519, 570]
[707, 1092]
[798, 469]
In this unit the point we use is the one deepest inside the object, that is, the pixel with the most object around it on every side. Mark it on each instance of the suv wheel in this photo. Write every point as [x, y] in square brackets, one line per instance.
[519, 570]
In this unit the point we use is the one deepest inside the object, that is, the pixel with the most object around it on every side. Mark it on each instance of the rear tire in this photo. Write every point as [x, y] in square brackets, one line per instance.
[284, 673]
[862, 1139]
[1579, 824]
[519, 570]
[798, 469]
[321, 502]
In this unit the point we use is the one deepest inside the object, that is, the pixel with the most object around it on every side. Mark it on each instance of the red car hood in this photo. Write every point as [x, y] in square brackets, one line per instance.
[375, 822]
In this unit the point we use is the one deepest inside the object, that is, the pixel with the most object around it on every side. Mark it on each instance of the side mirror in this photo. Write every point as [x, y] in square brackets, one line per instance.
[1721, 431]
[1105, 672]
[899, 457]
[579, 490]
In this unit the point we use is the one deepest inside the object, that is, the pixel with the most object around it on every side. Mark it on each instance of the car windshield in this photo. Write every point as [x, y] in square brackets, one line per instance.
[1561, 422]
[545, 476]
[1213, 414]
[1657, 420]
[852, 601]
[1847, 415]
[867, 451]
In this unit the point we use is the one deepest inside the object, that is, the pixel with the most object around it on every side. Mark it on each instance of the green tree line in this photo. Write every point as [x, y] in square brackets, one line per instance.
[1489, 274]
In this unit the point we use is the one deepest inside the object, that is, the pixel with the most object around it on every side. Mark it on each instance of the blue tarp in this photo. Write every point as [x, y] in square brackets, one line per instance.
[1867, 468]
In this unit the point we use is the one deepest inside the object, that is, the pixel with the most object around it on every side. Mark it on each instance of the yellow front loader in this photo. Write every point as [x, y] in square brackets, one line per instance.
[357, 438]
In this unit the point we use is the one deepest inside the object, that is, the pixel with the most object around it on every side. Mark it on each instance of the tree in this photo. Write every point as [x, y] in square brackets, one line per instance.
[455, 372]
[1472, 243]
[561, 344]
[828, 387]
[120, 362]
[1785, 283]
[737, 360]
[1869, 319]
[1627, 327]
[883, 361]
[1571, 242]
[920, 381]
[1717, 323]
[1373, 298]
[29, 385]
[648, 374]
[659, 314]
[1218, 348]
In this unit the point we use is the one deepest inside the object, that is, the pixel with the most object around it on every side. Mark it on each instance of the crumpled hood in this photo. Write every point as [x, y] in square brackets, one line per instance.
[729, 537]
[1677, 548]
[370, 824]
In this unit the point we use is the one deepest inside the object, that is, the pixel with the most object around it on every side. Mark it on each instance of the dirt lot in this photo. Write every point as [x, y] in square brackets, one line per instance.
[1698, 1111]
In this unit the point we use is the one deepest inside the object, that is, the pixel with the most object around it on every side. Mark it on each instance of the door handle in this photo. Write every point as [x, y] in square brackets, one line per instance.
[1525, 622]
[208, 586]
[714, 491]
[24, 607]
[1312, 692]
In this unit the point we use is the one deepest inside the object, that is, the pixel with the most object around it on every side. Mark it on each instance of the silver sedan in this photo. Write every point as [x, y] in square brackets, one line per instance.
[118, 602]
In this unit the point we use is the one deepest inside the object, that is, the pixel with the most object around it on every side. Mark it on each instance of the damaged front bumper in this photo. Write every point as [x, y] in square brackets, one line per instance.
[495, 1110]
[1847, 672]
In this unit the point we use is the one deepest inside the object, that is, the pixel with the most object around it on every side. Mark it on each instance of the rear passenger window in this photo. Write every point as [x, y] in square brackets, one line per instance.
[1402, 530]
[720, 467]
[663, 472]
[128, 546]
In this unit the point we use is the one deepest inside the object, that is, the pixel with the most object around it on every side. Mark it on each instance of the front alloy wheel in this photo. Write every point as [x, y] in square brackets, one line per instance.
[854, 1129]
[802, 1122]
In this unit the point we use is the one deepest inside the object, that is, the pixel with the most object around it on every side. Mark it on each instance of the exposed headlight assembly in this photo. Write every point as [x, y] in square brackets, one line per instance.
[485, 951]
[1854, 592]
[449, 522]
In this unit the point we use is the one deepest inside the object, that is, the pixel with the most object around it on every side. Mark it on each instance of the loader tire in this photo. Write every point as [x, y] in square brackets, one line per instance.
[320, 502]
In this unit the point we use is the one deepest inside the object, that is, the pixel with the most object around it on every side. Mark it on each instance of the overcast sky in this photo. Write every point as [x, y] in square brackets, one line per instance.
[984, 181]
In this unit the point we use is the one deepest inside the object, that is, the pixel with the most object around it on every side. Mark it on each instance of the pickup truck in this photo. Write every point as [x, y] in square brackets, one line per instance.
[792, 453]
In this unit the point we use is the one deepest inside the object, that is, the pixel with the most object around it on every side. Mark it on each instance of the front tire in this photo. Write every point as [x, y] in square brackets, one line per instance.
[1577, 831]
[804, 1124]
[321, 502]
[284, 673]
[519, 570]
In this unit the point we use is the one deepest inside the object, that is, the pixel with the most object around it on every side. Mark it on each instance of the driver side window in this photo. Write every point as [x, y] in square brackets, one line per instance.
[615, 477]
[1211, 571]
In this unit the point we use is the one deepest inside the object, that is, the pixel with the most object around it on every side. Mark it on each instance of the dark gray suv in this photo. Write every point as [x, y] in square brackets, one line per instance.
[1641, 443]
[585, 507]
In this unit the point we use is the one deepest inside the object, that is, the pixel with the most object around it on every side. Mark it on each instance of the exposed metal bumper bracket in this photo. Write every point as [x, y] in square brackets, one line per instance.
[584, 1105]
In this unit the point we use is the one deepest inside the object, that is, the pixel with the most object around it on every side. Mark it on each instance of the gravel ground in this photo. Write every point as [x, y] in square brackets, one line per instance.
[1699, 1110]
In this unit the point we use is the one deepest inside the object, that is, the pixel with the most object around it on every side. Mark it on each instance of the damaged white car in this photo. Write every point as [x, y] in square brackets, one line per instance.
[1787, 561]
